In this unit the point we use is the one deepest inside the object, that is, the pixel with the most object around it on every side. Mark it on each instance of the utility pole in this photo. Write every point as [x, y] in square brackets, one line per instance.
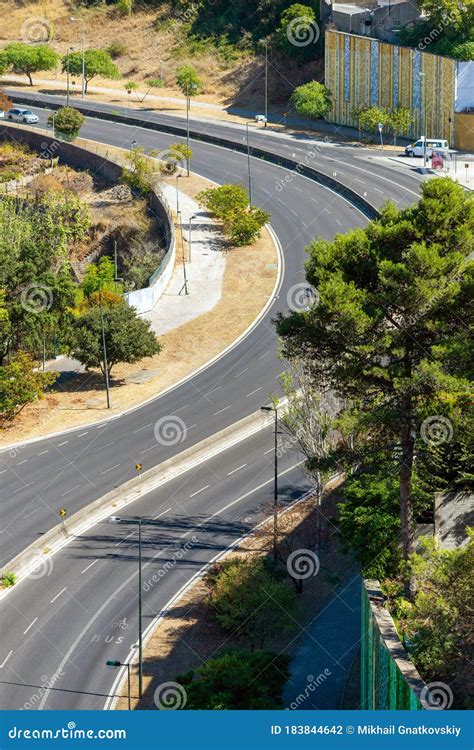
[189, 236]
[266, 83]
[104, 348]
[275, 480]
[140, 630]
[248, 165]
[185, 284]
[83, 83]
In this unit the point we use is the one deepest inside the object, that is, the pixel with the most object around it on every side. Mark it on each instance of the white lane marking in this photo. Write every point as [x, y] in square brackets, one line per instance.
[22, 462]
[356, 179]
[161, 514]
[6, 659]
[201, 490]
[23, 487]
[31, 513]
[339, 222]
[328, 211]
[63, 443]
[3, 471]
[142, 428]
[99, 427]
[58, 595]
[30, 626]
[111, 469]
[216, 388]
[71, 490]
[241, 372]
[265, 355]
[255, 391]
[43, 452]
[379, 191]
[224, 409]
[89, 566]
[83, 433]
[181, 408]
[237, 469]
[269, 451]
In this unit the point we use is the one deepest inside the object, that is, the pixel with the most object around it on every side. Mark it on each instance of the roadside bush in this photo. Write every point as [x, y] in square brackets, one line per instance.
[117, 49]
[245, 227]
[237, 681]
[251, 599]
[141, 172]
[230, 204]
[67, 121]
[8, 579]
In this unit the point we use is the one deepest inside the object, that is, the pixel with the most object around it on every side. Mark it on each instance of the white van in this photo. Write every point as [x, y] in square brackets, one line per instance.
[432, 144]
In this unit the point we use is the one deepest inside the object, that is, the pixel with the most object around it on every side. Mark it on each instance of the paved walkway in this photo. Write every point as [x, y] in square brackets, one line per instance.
[204, 274]
[322, 663]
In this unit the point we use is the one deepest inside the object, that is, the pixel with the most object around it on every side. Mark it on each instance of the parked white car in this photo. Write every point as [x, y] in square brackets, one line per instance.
[18, 114]
[432, 144]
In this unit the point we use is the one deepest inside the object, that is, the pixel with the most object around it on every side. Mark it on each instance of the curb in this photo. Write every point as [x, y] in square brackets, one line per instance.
[41, 550]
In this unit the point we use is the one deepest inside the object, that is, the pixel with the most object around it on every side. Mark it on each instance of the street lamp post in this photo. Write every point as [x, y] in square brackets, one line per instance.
[266, 83]
[188, 106]
[189, 236]
[178, 176]
[83, 83]
[71, 49]
[423, 94]
[248, 165]
[115, 664]
[185, 284]
[104, 348]
[140, 629]
[275, 481]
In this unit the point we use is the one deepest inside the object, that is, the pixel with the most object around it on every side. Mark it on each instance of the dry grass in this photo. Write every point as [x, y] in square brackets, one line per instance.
[248, 282]
[188, 635]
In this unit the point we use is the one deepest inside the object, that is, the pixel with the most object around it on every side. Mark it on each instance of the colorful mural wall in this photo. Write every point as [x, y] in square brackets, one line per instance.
[363, 72]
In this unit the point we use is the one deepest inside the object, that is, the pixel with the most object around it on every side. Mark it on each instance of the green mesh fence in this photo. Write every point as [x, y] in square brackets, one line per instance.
[383, 686]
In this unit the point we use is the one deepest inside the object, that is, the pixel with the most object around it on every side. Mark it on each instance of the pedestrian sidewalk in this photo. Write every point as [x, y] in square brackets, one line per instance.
[204, 269]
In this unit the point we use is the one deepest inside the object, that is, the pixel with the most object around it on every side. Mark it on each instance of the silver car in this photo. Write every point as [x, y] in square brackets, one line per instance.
[18, 114]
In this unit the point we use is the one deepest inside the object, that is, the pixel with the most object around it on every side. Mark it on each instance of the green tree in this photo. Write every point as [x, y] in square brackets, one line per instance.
[224, 201]
[140, 172]
[438, 623]
[311, 99]
[245, 228]
[128, 338]
[400, 120]
[20, 384]
[67, 121]
[298, 32]
[97, 62]
[237, 681]
[130, 86]
[188, 80]
[369, 118]
[385, 334]
[100, 275]
[27, 59]
[251, 600]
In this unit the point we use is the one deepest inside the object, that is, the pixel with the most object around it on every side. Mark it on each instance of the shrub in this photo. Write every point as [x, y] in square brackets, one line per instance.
[311, 99]
[237, 681]
[141, 172]
[117, 49]
[245, 227]
[67, 121]
[8, 579]
[230, 204]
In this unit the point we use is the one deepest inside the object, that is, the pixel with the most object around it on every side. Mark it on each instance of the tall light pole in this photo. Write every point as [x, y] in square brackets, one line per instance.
[115, 664]
[178, 176]
[266, 83]
[423, 95]
[185, 279]
[71, 49]
[83, 83]
[140, 629]
[104, 348]
[188, 106]
[189, 236]
[248, 164]
[275, 481]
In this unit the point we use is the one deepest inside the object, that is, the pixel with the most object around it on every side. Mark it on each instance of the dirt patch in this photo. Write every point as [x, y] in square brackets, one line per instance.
[249, 280]
[188, 634]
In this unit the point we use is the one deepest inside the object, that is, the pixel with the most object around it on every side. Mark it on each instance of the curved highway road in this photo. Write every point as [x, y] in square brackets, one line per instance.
[59, 629]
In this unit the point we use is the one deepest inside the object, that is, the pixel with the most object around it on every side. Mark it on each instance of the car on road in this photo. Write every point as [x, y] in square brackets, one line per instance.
[432, 144]
[18, 114]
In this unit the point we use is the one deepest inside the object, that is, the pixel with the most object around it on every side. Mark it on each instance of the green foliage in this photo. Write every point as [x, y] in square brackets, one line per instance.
[125, 7]
[98, 276]
[97, 62]
[128, 338]
[298, 32]
[463, 51]
[27, 58]
[117, 49]
[8, 579]
[140, 174]
[438, 623]
[251, 600]
[237, 681]
[35, 241]
[131, 86]
[311, 99]
[384, 334]
[178, 154]
[155, 83]
[398, 120]
[229, 203]
[21, 384]
[446, 28]
[188, 80]
[67, 121]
